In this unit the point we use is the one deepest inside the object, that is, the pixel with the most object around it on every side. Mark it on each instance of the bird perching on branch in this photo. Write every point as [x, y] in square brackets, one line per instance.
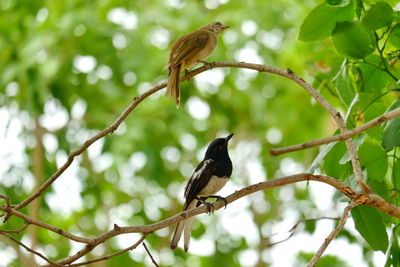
[188, 51]
[208, 178]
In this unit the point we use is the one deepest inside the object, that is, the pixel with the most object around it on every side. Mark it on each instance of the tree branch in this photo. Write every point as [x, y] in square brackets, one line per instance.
[339, 137]
[258, 67]
[134, 246]
[294, 227]
[148, 253]
[30, 220]
[333, 234]
[366, 199]
[29, 249]
[342, 126]
[16, 231]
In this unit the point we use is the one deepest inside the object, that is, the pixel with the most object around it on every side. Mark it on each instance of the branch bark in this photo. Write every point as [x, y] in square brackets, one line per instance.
[29, 249]
[134, 246]
[366, 199]
[333, 234]
[339, 137]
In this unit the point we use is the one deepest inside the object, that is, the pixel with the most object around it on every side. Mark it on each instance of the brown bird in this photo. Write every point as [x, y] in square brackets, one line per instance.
[188, 51]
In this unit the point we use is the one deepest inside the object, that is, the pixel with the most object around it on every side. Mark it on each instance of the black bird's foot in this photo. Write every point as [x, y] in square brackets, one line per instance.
[218, 198]
[186, 72]
[209, 206]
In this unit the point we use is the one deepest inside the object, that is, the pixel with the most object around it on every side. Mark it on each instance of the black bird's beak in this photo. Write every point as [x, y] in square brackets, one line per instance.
[228, 137]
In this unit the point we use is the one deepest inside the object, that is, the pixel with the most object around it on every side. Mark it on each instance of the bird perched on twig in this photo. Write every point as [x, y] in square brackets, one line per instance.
[188, 51]
[208, 178]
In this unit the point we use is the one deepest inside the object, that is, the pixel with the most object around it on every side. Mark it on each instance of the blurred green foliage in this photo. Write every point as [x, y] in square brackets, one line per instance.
[69, 68]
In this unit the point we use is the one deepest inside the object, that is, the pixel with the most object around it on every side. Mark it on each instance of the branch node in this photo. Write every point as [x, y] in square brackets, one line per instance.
[338, 115]
[8, 207]
[361, 199]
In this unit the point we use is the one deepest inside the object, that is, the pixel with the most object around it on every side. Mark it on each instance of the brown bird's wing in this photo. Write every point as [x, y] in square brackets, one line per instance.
[187, 45]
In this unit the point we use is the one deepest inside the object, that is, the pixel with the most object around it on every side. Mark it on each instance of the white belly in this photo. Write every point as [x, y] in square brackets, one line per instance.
[213, 186]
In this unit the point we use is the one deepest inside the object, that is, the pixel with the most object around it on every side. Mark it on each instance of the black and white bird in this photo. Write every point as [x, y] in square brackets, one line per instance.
[208, 178]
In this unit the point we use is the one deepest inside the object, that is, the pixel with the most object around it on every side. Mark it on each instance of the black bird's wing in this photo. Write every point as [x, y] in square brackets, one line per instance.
[199, 179]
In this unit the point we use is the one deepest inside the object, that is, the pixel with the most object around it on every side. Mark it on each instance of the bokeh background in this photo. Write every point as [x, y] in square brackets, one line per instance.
[69, 68]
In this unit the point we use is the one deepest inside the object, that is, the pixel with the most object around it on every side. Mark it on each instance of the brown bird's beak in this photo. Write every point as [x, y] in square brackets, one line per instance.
[224, 27]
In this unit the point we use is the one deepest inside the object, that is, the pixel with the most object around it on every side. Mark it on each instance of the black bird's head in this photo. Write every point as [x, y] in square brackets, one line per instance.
[218, 147]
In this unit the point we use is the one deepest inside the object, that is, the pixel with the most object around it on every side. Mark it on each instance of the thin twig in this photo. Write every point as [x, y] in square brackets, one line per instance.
[29, 249]
[8, 207]
[30, 220]
[134, 246]
[16, 231]
[333, 234]
[151, 256]
[294, 227]
[339, 137]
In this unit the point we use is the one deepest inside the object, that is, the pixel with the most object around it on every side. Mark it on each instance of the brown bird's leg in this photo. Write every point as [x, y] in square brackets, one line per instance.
[206, 63]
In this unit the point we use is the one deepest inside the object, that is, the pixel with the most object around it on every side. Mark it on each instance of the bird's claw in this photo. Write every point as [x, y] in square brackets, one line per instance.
[218, 198]
[209, 206]
[224, 200]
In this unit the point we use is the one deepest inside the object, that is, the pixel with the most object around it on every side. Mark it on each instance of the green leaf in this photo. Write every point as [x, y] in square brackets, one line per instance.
[395, 36]
[391, 133]
[378, 16]
[352, 40]
[331, 164]
[358, 8]
[320, 157]
[396, 16]
[396, 174]
[375, 110]
[380, 188]
[374, 79]
[370, 225]
[337, 2]
[310, 226]
[344, 86]
[393, 259]
[373, 158]
[319, 24]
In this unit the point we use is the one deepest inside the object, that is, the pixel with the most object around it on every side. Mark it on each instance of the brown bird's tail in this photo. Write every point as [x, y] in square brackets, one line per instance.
[186, 226]
[173, 84]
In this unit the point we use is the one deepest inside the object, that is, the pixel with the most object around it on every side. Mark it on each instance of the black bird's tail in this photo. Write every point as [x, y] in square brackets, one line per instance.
[184, 226]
